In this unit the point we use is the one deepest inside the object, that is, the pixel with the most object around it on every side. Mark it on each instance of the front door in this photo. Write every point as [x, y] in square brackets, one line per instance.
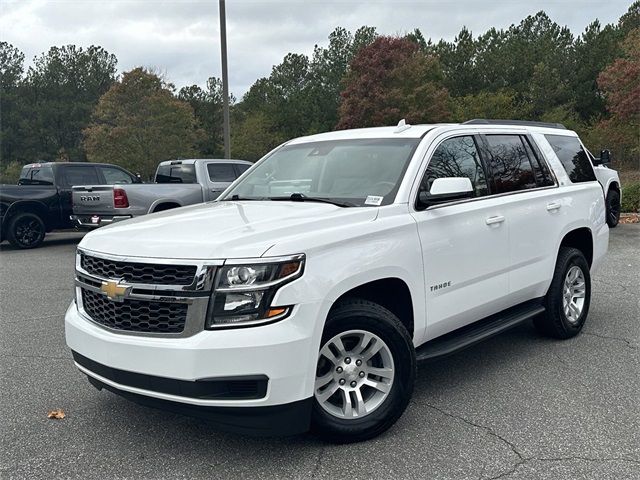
[465, 245]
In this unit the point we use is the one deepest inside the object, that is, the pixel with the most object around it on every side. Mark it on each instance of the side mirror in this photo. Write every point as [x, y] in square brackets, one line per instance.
[446, 189]
[605, 157]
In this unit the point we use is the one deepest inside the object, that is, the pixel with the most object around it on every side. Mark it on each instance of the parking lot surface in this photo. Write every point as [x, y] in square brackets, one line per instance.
[516, 406]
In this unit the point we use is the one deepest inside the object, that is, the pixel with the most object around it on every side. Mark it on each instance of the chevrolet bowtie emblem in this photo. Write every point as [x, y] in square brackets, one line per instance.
[114, 291]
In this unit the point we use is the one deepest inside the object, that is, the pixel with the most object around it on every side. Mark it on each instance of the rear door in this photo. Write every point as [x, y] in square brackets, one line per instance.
[535, 208]
[220, 175]
[464, 242]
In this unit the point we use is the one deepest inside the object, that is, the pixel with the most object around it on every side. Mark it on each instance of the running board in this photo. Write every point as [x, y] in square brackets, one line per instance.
[470, 334]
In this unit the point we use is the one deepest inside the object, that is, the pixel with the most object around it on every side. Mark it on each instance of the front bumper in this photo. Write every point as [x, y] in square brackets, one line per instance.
[281, 352]
[89, 222]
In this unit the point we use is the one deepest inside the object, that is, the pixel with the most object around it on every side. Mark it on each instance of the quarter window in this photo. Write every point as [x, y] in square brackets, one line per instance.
[456, 157]
[573, 157]
[221, 172]
[509, 164]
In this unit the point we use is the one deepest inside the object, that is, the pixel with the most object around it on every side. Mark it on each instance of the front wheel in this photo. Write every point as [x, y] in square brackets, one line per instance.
[365, 373]
[613, 208]
[26, 230]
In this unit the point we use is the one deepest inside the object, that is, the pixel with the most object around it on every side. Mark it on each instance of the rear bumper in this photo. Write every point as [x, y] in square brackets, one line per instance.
[89, 222]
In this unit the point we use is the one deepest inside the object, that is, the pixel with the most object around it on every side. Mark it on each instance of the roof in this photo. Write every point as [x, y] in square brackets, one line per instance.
[418, 131]
[190, 161]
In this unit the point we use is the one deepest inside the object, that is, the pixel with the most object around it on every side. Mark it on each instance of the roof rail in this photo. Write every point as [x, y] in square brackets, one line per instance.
[484, 121]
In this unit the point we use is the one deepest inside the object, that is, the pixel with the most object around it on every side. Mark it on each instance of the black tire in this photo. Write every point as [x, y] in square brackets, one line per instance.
[613, 208]
[26, 230]
[357, 314]
[555, 322]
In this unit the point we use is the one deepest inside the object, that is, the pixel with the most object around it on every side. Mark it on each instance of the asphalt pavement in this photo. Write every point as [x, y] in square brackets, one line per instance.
[518, 406]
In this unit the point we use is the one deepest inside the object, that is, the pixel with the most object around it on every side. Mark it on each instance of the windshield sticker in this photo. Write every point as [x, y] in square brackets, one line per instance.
[373, 200]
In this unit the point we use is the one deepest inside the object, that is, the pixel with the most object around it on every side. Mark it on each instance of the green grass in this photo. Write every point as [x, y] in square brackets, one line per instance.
[630, 179]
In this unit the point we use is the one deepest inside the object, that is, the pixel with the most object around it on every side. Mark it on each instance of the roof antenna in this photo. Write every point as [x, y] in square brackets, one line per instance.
[402, 126]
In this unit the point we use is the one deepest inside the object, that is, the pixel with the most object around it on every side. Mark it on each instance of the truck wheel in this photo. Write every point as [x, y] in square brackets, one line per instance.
[567, 301]
[613, 208]
[26, 230]
[365, 373]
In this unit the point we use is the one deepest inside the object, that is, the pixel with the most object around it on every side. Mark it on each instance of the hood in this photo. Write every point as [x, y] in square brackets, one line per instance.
[229, 229]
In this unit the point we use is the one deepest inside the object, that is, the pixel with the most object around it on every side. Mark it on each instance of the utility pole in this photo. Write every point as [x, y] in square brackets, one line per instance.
[225, 81]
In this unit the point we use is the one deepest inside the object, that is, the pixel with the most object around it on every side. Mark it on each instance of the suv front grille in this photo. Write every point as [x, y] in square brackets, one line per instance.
[135, 315]
[132, 272]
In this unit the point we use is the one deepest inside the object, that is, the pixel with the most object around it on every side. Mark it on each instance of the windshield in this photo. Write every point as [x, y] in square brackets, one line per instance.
[177, 173]
[355, 172]
[38, 175]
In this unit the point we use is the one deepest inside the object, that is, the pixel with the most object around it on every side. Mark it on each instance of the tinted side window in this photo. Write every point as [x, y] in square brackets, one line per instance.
[456, 157]
[241, 168]
[221, 172]
[540, 167]
[178, 173]
[509, 164]
[77, 175]
[114, 175]
[573, 157]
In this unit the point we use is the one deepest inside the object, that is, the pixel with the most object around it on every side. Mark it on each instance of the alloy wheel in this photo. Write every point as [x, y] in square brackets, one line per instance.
[354, 375]
[28, 231]
[573, 294]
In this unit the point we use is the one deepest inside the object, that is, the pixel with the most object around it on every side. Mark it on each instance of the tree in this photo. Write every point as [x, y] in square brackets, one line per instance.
[392, 79]
[61, 90]
[11, 70]
[620, 82]
[138, 123]
[253, 136]
[207, 107]
[496, 105]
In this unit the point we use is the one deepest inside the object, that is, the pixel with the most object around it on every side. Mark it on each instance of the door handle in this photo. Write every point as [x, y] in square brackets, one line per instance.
[493, 220]
[553, 206]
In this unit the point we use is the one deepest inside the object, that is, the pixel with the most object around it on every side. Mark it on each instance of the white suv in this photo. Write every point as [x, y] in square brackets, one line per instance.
[305, 295]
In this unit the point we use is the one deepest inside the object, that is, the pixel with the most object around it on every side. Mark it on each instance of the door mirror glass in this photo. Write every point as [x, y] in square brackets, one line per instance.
[605, 157]
[446, 189]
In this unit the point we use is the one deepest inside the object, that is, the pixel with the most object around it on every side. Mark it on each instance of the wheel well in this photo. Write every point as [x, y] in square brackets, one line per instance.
[391, 293]
[581, 239]
[614, 186]
[165, 206]
[26, 207]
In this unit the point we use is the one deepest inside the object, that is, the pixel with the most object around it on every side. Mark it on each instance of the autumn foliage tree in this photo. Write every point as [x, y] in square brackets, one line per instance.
[390, 79]
[139, 122]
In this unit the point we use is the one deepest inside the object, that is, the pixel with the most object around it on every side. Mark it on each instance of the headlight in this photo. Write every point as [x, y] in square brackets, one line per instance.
[243, 293]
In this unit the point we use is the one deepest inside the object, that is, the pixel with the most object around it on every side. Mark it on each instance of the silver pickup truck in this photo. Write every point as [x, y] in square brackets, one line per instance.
[176, 183]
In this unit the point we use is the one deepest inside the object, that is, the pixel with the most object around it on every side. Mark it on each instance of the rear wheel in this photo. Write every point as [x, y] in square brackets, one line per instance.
[567, 301]
[613, 208]
[26, 230]
[365, 372]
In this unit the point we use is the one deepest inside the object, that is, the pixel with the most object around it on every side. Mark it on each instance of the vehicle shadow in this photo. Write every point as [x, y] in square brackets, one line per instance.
[52, 239]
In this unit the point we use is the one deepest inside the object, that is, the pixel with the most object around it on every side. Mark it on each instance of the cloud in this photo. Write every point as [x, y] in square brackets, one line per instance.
[181, 38]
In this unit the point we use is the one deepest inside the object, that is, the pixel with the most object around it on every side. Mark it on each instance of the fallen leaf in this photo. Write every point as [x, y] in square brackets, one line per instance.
[57, 414]
[630, 218]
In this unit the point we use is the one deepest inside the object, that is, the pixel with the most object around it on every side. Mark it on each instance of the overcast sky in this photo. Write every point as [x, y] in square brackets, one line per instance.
[181, 38]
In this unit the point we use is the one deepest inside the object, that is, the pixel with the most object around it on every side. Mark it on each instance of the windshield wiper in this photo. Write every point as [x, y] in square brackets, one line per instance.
[301, 197]
[238, 197]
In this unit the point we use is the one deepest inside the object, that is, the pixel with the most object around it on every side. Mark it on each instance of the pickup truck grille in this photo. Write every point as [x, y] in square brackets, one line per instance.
[132, 272]
[135, 315]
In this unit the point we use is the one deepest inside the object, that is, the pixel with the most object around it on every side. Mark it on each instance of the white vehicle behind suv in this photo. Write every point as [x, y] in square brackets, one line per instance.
[305, 295]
